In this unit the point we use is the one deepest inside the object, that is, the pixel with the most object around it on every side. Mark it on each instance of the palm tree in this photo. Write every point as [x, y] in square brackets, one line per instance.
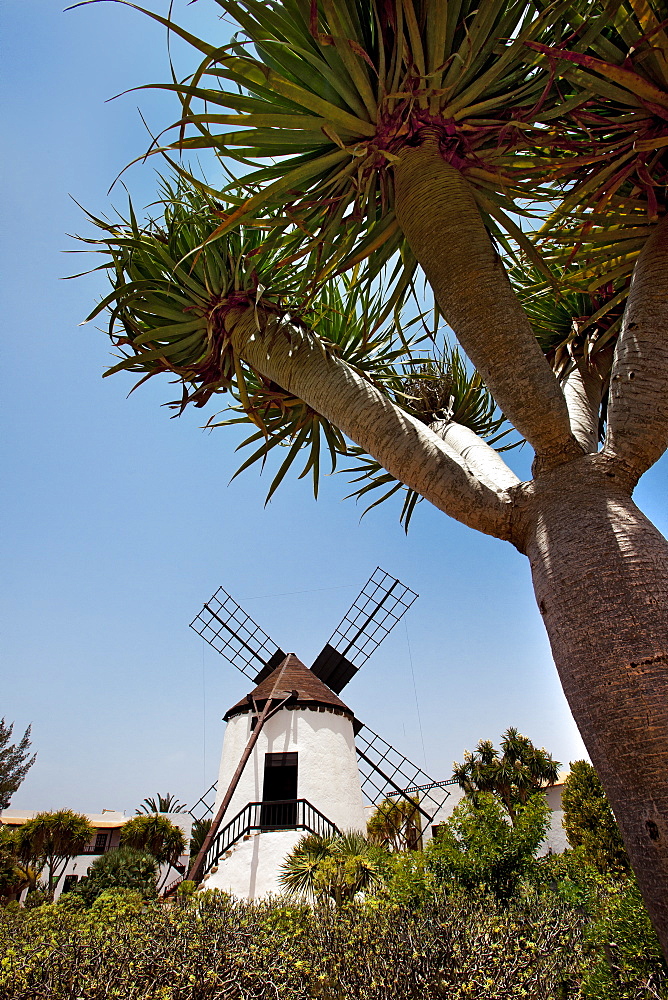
[200, 828]
[395, 824]
[157, 835]
[512, 776]
[399, 136]
[161, 804]
[336, 868]
[50, 840]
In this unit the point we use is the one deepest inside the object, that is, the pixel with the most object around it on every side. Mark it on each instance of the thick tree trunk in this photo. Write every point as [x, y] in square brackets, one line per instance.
[600, 572]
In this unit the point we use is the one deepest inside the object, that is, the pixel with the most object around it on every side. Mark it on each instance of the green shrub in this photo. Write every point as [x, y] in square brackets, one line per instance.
[186, 890]
[479, 849]
[457, 948]
[123, 868]
[627, 960]
[35, 898]
[117, 902]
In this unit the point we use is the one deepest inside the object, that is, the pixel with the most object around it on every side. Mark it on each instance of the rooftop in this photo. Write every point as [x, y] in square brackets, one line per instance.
[308, 690]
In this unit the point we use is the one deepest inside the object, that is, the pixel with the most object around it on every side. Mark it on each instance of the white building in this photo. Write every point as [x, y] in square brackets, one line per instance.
[302, 776]
[107, 827]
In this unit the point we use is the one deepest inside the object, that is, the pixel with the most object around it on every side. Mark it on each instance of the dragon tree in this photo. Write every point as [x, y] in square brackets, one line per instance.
[513, 154]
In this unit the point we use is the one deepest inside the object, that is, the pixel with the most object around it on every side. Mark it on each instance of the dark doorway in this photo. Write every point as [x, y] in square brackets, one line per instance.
[279, 792]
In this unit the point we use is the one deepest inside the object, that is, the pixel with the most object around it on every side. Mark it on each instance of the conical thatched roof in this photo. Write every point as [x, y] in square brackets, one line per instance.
[308, 690]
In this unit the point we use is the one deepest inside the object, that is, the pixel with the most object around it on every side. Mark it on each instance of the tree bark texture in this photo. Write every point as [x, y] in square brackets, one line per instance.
[438, 214]
[403, 445]
[583, 389]
[600, 573]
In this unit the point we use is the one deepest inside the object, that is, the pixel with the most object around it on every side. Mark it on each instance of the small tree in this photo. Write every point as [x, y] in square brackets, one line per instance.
[395, 824]
[589, 822]
[157, 835]
[200, 828]
[513, 776]
[479, 849]
[15, 762]
[14, 875]
[334, 868]
[123, 868]
[161, 804]
[49, 840]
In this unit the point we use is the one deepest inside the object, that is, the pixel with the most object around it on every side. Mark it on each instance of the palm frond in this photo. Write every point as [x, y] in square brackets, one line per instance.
[323, 97]
[617, 141]
[172, 292]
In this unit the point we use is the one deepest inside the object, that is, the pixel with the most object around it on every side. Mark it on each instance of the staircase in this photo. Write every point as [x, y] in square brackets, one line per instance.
[261, 817]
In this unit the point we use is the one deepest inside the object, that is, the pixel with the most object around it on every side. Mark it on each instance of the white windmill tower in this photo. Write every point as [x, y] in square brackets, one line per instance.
[293, 750]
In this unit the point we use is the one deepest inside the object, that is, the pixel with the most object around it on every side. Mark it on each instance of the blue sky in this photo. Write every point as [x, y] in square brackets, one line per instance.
[119, 521]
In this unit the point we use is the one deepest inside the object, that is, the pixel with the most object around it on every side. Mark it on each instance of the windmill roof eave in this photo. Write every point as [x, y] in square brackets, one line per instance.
[306, 691]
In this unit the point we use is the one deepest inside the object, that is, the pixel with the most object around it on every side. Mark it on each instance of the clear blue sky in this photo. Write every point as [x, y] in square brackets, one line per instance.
[119, 521]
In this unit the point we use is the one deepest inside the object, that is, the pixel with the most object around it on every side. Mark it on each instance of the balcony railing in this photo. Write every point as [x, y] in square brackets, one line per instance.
[262, 817]
[96, 848]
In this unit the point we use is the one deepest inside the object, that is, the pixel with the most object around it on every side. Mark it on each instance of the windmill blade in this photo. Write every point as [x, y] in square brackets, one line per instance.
[203, 808]
[381, 603]
[388, 776]
[234, 634]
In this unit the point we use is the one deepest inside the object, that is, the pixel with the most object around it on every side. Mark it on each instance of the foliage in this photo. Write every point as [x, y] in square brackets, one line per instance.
[332, 94]
[479, 850]
[337, 867]
[186, 889]
[589, 822]
[49, 840]
[513, 776]
[215, 947]
[155, 834]
[573, 880]
[123, 868]
[395, 824]
[14, 874]
[161, 804]
[625, 951]
[198, 833]
[15, 762]
[118, 901]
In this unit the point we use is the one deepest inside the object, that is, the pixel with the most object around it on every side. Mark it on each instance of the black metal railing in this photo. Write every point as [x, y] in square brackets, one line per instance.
[96, 848]
[261, 817]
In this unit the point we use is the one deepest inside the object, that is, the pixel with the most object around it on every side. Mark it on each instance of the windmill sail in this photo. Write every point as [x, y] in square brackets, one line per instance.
[234, 634]
[381, 603]
[388, 778]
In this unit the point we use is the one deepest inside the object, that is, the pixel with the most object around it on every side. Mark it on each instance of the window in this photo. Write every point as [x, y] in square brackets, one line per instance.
[69, 882]
[101, 843]
[279, 792]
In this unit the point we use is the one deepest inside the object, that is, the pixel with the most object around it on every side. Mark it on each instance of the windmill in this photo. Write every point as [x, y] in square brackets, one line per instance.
[294, 722]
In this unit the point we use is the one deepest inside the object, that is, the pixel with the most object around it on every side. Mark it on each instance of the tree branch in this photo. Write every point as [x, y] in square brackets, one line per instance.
[486, 463]
[436, 209]
[583, 389]
[412, 453]
[638, 405]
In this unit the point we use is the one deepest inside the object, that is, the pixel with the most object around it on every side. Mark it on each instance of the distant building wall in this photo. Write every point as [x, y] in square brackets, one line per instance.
[107, 826]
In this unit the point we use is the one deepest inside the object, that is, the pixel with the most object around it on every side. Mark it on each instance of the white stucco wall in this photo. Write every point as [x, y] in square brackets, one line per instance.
[327, 773]
[252, 869]
[556, 840]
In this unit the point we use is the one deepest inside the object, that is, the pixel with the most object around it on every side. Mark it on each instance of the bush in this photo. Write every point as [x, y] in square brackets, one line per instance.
[457, 948]
[123, 868]
[118, 902]
[628, 963]
[589, 821]
[479, 849]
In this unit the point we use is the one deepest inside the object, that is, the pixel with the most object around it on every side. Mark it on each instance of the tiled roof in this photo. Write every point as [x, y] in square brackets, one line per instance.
[310, 690]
